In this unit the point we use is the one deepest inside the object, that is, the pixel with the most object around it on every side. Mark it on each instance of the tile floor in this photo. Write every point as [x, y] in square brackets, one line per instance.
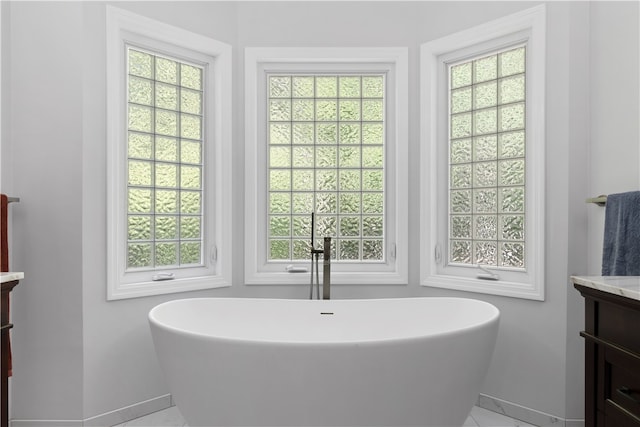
[171, 417]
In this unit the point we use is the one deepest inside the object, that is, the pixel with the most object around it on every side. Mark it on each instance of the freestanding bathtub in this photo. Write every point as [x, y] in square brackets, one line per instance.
[276, 362]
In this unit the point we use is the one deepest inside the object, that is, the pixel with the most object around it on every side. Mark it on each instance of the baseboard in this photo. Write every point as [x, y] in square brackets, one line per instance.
[107, 419]
[522, 413]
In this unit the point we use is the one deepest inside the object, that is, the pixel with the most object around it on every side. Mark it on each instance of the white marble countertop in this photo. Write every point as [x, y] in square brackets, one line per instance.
[11, 276]
[627, 286]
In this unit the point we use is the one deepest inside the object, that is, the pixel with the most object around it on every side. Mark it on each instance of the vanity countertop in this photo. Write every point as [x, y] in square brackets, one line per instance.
[11, 276]
[626, 286]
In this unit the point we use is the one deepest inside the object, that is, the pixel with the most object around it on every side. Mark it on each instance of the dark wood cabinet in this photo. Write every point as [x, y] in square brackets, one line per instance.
[5, 326]
[612, 359]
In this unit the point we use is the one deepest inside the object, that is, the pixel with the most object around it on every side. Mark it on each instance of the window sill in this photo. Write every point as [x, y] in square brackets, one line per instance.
[338, 278]
[532, 291]
[143, 289]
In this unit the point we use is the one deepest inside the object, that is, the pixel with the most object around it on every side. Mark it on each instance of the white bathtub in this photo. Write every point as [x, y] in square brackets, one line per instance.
[374, 362]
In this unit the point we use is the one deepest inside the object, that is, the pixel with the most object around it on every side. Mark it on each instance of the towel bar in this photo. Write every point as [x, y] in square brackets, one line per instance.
[600, 200]
[13, 199]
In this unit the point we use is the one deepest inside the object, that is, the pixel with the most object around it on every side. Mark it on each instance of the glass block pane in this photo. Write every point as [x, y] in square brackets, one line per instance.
[139, 255]
[372, 87]
[512, 172]
[166, 96]
[301, 249]
[485, 95]
[486, 227]
[327, 133]
[485, 121]
[278, 249]
[461, 226]
[280, 203]
[166, 228]
[512, 62]
[166, 201]
[372, 180]
[166, 254]
[280, 86]
[512, 255]
[140, 91]
[372, 157]
[461, 125]
[302, 87]
[166, 149]
[372, 110]
[302, 110]
[302, 157]
[350, 133]
[280, 226]
[302, 203]
[511, 117]
[191, 177]
[190, 152]
[326, 87]
[326, 180]
[190, 227]
[326, 110]
[302, 226]
[485, 174]
[140, 145]
[485, 201]
[166, 123]
[190, 202]
[349, 203]
[166, 175]
[512, 89]
[512, 199]
[140, 64]
[326, 157]
[461, 251]
[279, 180]
[485, 148]
[349, 157]
[461, 100]
[326, 203]
[190, 101]
[512, 227]
[372, 203]
[372, 226]
[139, 173]
[461, 176]
[280, 133]
[140, 118]
[191, 77]
[302, 180]
[461, 75]
[190, 253]
[372, 250]
[349, 249]
[485, 253]
[325, 226]
[350, 226]
[138, 227]
[349, 110]
[511, 144]
[372, 133]
[461, 201]
[349, 180]
[485, 68]
[461, 150]
[303, 133]
[280, 110]
[166, 70]
[349, 87]
[279, 157]
[139, 200]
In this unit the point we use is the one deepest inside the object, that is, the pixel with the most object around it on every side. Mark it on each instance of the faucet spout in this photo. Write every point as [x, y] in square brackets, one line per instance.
[326, 269]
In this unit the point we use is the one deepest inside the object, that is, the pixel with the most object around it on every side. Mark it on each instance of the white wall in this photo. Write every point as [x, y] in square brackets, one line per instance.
[78, 356]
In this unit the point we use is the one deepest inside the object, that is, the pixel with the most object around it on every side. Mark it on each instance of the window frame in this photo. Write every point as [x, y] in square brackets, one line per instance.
[124, 30]
[393, 62]
[526, 27]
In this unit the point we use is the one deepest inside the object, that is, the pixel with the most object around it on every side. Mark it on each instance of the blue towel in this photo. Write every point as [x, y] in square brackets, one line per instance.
[621, 248]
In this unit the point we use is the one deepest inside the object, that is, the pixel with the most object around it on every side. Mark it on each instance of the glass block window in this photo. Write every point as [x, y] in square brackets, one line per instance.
[165, 166]
[326, 154]
[486, 98]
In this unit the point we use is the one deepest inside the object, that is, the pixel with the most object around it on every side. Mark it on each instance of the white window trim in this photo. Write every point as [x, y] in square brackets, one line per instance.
[258, 61]
[528, 25]
[123, 27]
